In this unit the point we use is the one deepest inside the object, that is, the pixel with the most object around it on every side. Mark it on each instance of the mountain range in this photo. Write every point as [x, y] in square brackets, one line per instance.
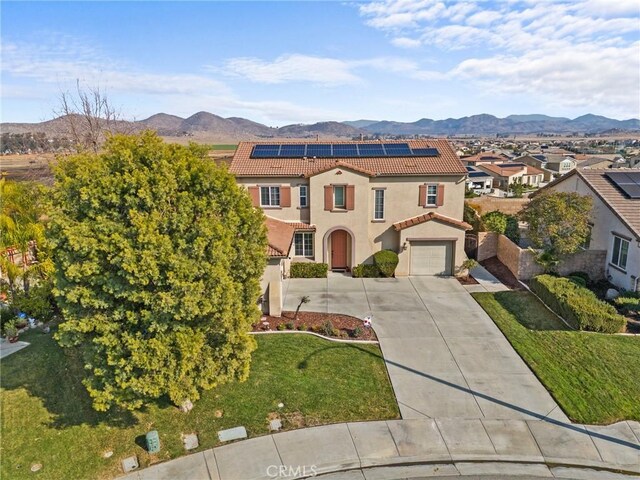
[205, 124]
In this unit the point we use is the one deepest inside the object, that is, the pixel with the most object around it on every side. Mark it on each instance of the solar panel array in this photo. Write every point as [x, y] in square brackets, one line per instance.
[628, 182]
[340, 150]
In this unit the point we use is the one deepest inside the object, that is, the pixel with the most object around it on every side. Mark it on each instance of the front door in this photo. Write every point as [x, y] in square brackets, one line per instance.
[339, 249]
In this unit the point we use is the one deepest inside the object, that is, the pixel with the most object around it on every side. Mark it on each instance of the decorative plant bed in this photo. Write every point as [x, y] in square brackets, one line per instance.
[332, 325]
[468, 280]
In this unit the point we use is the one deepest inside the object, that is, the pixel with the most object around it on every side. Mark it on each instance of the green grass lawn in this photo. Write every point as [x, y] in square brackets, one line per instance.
[47, 416]
[592, 376]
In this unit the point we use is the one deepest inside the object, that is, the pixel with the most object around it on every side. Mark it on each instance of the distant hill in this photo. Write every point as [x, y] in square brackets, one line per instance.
[205, 125]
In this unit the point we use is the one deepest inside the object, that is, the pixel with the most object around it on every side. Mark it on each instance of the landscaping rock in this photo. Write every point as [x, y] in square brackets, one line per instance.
[36, 467]
[611, 294]
[186, 406]
[275, 424]
[130, 464]
[107, 454]
[218, 414]
[232, 434]
[190, 441]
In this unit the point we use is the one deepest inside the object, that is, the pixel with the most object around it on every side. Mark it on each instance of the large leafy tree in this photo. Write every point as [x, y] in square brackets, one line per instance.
[558, 221]
[158, 257]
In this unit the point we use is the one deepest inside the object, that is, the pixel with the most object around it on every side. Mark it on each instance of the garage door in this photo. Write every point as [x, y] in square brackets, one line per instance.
[431, 258]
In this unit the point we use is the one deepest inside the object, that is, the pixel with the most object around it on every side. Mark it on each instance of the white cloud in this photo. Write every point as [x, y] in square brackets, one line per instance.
[293, 68]
[406, 42]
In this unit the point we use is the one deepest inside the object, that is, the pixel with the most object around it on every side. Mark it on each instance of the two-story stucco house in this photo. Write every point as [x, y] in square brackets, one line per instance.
[348, 200]
[615, 218]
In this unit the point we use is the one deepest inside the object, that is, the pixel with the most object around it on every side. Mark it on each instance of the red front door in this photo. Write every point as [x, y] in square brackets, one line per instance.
[339, 249]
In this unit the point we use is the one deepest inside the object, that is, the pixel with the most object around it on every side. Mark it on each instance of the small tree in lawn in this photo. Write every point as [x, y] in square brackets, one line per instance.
[158, 258]
[558, 224]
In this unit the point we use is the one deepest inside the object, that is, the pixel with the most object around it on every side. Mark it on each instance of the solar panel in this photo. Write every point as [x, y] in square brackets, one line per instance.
[318, 150]
[397, 149]
[478, 174]
[345, 150]
[628, 182]
[633, 191]
[371, 150]
[265, 151]
[292, 150]
[425, 152]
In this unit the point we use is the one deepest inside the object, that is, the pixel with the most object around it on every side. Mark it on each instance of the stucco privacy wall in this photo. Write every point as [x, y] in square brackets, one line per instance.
[272, 275]
[522, 262]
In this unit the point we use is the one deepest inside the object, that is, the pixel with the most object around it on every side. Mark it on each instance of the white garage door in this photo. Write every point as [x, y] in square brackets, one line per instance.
[431, 258]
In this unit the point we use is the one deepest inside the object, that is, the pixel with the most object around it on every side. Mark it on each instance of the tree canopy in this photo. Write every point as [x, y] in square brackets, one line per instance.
[558, 221]
[158, 256]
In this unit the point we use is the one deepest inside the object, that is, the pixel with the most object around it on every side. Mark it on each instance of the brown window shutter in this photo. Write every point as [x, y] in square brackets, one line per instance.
[328, 197]
[285, 196]
[351, 197]
[422, 195]
[440, 198]
[254, 192]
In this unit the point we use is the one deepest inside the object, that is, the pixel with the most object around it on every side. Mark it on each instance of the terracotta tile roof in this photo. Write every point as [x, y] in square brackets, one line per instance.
[343, 164]
[626, 209]
[485, 157]
[533, 170]
[447, 162]
[279, 236]
[500, 170]
[425, 217]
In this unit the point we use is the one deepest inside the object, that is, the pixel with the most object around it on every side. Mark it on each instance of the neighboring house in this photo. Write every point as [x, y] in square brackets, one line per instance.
[485, 158]
[538, 161]
[560, 164]
[347, 200]
[479, 181]
[504, 174]
[615, 218]
[595, 163]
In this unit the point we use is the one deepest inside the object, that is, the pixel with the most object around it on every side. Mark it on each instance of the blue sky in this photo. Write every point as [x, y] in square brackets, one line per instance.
[295, 62]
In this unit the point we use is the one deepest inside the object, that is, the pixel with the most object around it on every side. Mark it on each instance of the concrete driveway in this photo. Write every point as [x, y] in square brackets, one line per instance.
[445, 356]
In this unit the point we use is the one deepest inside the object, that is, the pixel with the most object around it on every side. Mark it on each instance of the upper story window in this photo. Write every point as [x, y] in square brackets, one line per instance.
[304, 196]
[339, 197]
[378, 204]
[270, 196]
[620, 252]
[432, 195]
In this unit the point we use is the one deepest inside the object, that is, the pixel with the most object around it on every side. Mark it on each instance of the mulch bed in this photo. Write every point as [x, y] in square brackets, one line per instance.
[467, 281]
[502, 273]
[344, 325]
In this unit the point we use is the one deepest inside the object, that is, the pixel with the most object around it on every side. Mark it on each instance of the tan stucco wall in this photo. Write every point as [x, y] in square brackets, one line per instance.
[293, 213]
[605, 222]
[272, 273]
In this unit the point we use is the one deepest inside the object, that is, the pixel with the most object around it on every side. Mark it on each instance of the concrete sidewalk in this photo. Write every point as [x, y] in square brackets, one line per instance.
[419, 448]
[487, 282]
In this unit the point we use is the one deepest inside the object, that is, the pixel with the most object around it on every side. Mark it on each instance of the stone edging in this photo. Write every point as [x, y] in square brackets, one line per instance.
[338, 340]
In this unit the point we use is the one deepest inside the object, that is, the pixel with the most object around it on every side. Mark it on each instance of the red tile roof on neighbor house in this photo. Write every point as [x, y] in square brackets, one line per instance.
[502, 171]
[425, 217]
[490, 157]
[280, 235]
[533, 170]
[446, 163]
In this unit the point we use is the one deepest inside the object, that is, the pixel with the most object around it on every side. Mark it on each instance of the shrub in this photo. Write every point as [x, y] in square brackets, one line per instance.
[357, 332]
[308, 270]
[302, 327]
[512, 231]
[495, 221]
[583, 275]
[316, 328]
[577, 305]
[39, 303]
[327, 328]
[628, 303]
[281, 327]
[290, 326]
[386, 261]
[7, 316]
[578, 280]
[335, 332]
[366, 271]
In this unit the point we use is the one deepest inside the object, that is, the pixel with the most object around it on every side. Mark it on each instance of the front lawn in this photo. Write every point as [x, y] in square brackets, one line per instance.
[592, 376]
[47, 416]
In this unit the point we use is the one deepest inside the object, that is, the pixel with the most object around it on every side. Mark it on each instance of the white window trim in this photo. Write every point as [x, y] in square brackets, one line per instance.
[375, 193]
[305, 196]
[269, 205]
[616, 262]
[305, 254]
[434, 195]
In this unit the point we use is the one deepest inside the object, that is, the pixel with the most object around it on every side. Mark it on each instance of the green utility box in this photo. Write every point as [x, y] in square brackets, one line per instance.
[153, 441]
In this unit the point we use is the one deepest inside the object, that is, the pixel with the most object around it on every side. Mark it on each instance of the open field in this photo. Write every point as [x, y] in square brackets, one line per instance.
[589, 374]
[47, 416]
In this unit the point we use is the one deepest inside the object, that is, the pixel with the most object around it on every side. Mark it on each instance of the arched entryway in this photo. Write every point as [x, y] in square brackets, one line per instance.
[338, 249]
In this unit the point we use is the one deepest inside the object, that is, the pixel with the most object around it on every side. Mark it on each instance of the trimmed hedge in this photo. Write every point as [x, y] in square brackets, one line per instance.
[386, 261]
[308, 270]
[366, 271]
[577, 305]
